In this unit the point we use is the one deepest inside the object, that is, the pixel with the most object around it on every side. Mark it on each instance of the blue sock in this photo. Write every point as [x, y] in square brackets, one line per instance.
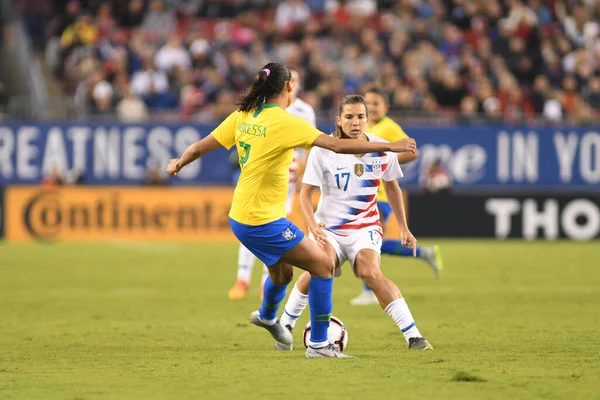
[273, 296]
[366, 288]
[395, 248]
[319, 298]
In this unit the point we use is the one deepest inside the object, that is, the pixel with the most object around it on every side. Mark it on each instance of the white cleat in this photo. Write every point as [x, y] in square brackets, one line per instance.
[281, 346]
[433, 256]
[283, 337]
[366, 298]
[329, 351]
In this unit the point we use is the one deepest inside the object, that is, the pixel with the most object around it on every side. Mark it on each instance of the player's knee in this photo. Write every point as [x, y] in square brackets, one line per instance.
[370, 275]
[324, 268]
[282, 275]
[287, 276]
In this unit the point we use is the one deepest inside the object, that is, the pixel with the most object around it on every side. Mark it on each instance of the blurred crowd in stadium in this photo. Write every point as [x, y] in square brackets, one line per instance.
[503, 60]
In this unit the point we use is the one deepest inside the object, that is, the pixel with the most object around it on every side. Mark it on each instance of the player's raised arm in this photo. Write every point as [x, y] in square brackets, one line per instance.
[192, 153]
[406, 157]
[223, 135]
[360, 146]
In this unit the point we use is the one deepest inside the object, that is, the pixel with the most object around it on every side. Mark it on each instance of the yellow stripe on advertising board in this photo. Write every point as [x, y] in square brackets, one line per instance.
[117, 213]
[92, 213]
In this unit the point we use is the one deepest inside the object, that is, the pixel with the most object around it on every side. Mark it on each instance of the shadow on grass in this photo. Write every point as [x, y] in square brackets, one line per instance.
[466, 377]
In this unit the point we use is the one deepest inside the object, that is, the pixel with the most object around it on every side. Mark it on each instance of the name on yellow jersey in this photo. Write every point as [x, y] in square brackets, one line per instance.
[252, 129]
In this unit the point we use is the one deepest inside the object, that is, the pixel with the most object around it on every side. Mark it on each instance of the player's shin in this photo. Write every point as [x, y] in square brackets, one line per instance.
[273, 296]
[398, 310]
[319, 298]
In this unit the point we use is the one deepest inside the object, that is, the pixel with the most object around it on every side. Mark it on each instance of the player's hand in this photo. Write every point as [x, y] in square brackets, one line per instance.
[318, 233]
[405, 145]
[408, 240]
[172, 168]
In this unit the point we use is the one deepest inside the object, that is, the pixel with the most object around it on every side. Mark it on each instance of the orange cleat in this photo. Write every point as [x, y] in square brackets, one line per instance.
[238, 291]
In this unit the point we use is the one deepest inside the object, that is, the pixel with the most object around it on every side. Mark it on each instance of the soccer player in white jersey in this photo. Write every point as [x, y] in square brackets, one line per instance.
[347, 223]
[246, 259]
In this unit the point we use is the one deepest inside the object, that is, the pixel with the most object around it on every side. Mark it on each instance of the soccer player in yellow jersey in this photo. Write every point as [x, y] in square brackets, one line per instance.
[265, 136]
[246, 259]
[382, 126]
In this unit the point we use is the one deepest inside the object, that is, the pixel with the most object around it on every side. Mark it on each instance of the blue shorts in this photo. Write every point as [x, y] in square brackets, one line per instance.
[268, 242]
[384, 210]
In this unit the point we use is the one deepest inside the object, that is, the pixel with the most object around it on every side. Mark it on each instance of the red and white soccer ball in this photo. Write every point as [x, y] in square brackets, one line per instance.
[338, 334]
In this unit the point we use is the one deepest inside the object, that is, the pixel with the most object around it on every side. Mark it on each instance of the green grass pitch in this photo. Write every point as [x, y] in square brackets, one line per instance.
[518, 320]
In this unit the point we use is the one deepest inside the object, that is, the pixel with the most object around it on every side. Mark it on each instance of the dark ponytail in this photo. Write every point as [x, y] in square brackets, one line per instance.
[350, 99]
[269, 82]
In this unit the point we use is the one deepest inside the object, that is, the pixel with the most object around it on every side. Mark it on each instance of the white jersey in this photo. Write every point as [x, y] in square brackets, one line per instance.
[349, 186]
[303, 110]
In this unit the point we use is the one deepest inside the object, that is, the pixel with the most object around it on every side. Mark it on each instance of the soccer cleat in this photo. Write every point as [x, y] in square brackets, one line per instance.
[282, 336]
[366, 298]
[238, 291]
[419, 343]
[329, 351]
[433, 256]
[281, 346]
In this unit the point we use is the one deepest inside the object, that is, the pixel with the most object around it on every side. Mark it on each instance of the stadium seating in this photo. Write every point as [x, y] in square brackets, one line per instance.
[497, 60]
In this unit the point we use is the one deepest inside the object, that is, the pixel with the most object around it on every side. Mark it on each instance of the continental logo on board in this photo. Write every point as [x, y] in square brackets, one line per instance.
[109, 213]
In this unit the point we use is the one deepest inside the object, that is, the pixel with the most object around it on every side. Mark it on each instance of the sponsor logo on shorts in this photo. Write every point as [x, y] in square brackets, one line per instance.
[288, 234]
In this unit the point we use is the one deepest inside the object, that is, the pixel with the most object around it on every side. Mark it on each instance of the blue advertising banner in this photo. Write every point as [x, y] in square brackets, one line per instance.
[105, 154]
[2, 223]
[510, 157]
[475, 157]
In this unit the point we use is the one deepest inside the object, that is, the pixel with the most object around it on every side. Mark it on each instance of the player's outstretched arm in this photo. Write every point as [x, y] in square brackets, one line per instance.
[192, 153]
[345, 146]
[394, 195]
[406, 157]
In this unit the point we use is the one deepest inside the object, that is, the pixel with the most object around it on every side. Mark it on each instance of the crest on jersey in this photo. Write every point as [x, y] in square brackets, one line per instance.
[376, 165]
[359, 169]
[288, 234]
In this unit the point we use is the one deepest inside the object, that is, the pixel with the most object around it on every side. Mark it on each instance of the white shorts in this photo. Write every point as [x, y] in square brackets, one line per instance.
[348, 247]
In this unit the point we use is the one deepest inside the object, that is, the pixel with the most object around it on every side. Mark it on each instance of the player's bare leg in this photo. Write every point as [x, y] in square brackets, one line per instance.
[389, 297]
[431, 255]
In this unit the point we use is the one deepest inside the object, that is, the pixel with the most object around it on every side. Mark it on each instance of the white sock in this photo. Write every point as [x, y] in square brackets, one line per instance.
[264, 275]
[245, 264]
[269, 322]
[293, 308]
[318, 345]
[398, 310]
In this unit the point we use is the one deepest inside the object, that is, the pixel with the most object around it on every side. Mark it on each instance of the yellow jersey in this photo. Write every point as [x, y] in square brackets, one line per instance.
[388, 130]
[265, 141]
